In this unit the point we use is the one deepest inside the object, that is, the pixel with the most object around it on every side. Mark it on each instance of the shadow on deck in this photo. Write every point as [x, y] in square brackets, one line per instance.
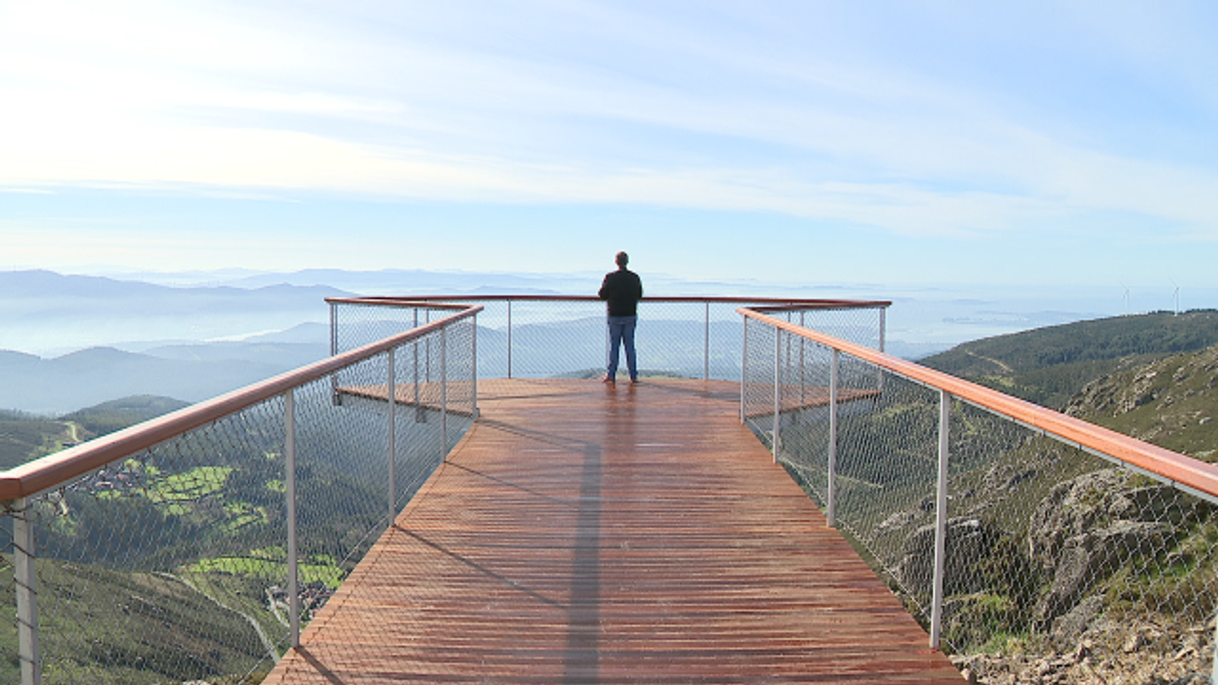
[590, 533]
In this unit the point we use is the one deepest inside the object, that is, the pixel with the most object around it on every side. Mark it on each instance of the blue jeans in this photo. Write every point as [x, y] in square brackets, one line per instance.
[621, 329]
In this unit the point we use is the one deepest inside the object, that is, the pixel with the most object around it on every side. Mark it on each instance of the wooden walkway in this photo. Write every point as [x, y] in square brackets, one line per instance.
[584, 533]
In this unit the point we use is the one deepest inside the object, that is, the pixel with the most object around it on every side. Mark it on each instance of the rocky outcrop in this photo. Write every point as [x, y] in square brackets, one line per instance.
[1092, 556]
[1088, 526]
[968, 541]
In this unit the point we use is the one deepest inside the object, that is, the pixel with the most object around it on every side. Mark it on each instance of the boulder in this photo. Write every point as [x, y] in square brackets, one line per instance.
[968, 541]
[1071, 508]
[1092, 556]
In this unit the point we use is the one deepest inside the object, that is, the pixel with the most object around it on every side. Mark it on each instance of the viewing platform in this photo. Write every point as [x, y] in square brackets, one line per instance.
[583, 532]
[448, 498]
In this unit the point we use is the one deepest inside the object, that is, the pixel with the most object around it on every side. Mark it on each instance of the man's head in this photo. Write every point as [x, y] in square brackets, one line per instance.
[622, 259]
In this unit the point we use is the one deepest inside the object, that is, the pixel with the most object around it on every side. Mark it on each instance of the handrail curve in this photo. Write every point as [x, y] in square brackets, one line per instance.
[1176, 467]
[53, 470]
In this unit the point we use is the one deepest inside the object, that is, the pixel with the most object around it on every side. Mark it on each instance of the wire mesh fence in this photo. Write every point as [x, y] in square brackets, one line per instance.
[1057, 564]
[536, 337]
[171, 563]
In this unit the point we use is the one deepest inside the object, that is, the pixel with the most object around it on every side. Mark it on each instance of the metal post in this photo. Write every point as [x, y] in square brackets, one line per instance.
[289, 478]
[802, 383]
[706, 347]
[333, 328]
[509, 342]
[418, 408]
[777, 389]
[444, 390]
[831, 515]
[936, 610]
[883, 326]
[391, 383]
[474, 380]
[744, 371]
[25, 577]
[335, 398]
[883, 333]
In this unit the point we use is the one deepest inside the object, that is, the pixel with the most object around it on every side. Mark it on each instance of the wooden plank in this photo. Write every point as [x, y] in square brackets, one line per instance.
[426, 395]
[590, 533]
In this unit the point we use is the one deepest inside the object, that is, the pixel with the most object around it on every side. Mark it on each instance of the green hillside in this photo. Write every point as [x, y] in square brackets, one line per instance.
[25, 437]
[1050, 365]
[117, 633]
[1171, 402]
[115, 415]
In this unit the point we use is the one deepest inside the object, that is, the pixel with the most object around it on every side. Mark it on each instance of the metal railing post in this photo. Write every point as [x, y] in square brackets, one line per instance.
[509, 340]
[474, 380]
[777, 389]
[802, 382]
[25, 578]
[335, 398]
[883, 326]
[706, 346]
[744, 372]
[831, 497]
[289, 478]
[418, 408]
[444, 391]
[391, 383]
[879, 381]
[936, 608]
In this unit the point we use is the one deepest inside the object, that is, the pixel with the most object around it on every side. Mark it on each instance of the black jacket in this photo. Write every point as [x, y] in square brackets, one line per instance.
[622, 289]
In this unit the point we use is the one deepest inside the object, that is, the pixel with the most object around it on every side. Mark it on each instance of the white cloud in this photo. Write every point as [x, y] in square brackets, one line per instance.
[554, 103]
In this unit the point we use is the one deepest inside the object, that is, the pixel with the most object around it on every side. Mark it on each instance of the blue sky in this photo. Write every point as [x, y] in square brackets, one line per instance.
[795, 142]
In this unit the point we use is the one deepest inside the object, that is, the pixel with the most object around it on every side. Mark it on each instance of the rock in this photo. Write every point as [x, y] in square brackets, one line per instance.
[968, 541]
[896, 522]
[1070, 508]
[1069, 628]
[1003, 478]
[1091, 556]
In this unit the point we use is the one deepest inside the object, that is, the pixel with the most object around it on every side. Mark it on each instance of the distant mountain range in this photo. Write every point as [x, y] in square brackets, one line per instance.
[46, 312]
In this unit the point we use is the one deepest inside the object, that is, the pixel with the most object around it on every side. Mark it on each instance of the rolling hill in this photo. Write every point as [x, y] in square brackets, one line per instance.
[1050, 365]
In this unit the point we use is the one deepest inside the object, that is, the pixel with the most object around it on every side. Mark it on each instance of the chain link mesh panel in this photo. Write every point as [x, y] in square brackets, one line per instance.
[170, 565]
[568, 338]
[1060, 566]
[10, 666]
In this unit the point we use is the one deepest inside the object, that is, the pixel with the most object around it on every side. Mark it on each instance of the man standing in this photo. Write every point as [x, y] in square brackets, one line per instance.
[622, 290]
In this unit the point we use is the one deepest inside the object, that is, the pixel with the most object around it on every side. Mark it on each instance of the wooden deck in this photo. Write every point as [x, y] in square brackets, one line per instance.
[585, 533]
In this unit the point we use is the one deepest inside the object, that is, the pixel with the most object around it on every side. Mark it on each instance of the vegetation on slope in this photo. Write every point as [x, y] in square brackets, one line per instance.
[115, 415]
[26, 437]
[1049, 365]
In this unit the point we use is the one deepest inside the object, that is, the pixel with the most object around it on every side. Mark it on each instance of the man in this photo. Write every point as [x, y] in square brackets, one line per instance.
[622, 290]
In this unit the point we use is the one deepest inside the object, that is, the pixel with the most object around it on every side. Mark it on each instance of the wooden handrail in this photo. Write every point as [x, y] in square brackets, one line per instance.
[435, 300]
[61, 467]
[1179, 468]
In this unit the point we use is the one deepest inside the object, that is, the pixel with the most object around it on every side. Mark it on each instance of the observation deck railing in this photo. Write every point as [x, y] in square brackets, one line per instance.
[190, 547]
[169, 551]
[1025, 540]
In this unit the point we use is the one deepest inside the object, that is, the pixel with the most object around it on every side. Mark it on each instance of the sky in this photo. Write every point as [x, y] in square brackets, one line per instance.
[797, 142]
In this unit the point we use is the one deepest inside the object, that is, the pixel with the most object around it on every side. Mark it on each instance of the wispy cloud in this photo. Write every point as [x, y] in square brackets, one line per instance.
[815, 110]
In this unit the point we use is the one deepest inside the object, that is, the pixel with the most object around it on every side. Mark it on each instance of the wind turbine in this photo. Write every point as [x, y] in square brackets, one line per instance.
[1177, 295]
[1126, 299]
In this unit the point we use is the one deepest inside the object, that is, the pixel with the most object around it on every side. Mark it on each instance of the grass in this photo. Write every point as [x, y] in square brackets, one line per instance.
[116, 628]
